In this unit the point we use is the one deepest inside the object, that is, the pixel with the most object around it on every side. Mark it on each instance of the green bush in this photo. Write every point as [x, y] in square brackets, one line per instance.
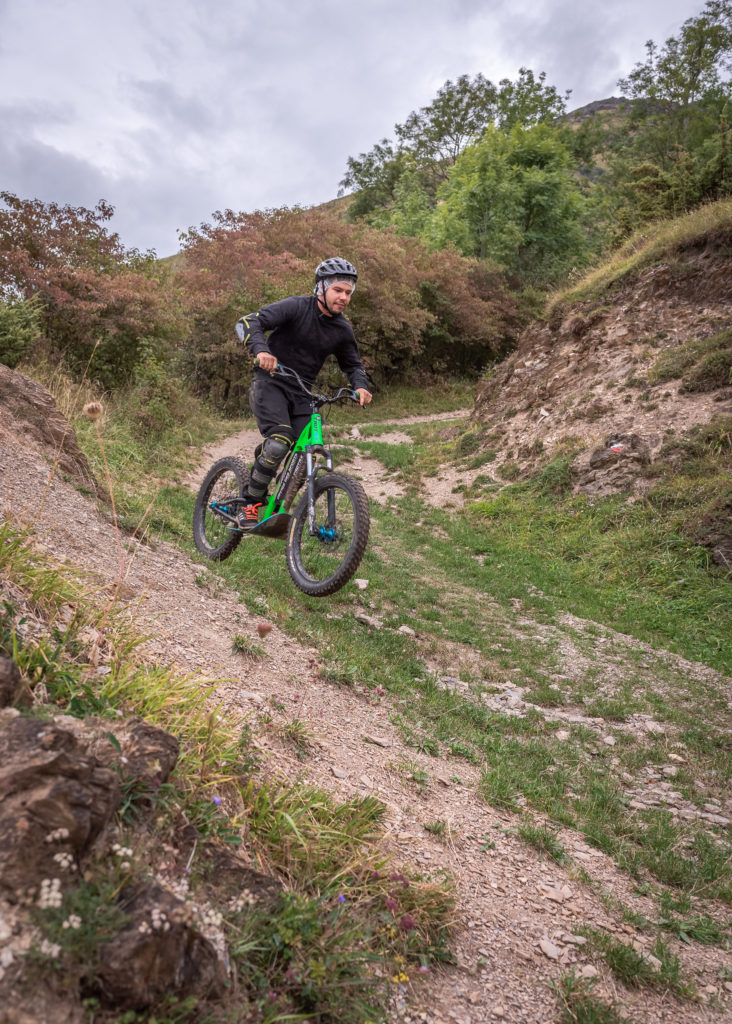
[20, 327]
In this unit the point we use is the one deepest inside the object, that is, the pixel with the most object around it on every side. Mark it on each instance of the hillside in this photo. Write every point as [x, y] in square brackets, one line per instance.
[615, 382]
[547, 765]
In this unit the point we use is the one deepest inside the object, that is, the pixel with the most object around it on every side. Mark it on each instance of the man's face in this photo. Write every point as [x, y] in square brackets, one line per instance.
[338, 296]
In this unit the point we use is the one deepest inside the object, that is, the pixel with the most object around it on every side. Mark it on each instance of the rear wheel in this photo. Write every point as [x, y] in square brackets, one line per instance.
[214, 534]
[322, 561]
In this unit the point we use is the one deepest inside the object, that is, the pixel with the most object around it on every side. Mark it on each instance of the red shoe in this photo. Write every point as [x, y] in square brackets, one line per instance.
[249, 514]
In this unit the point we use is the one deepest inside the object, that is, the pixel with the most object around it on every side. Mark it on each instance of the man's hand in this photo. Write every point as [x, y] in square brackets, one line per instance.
[267, 361]
[364, 396]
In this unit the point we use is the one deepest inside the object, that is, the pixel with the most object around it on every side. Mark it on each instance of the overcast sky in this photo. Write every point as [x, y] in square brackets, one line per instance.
[171, 109]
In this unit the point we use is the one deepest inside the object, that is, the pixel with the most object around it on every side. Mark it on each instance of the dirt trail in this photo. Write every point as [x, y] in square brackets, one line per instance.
[517, 915]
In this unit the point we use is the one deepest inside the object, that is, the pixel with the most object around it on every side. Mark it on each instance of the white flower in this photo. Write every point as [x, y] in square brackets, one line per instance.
[50, 894]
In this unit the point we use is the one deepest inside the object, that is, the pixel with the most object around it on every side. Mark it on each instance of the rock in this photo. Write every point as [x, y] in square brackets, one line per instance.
[609, 741]
[562, 735]
[11, 682]
[654, 961]
[588, 971]
[264, 628]
[161, 950]
[377, 740]
[48, 787]
[654, 728]
[406, 631]
[369, 620]
[361, 584]
[32, 412]
[339, 773]
[549, 949]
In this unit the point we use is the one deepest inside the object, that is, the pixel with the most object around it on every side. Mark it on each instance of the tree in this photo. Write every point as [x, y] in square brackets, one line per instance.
[511, 198]
[94, 295]
[682, 89]
[432, 138]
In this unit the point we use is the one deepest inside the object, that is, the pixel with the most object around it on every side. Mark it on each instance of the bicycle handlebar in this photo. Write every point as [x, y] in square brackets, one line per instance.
[288, 373]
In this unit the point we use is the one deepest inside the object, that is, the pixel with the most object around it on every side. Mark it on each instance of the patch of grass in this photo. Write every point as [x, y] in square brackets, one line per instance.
[650, 244]
[579, 1005]
[247, 646]
[543, 839]
[703, 365]
[635, 970]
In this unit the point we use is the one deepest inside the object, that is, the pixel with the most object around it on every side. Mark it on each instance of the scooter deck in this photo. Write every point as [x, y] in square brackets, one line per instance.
[273, 526]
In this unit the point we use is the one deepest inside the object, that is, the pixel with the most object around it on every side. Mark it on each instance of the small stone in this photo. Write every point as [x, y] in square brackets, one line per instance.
[498, 1011]
[339, 773]
[406, 631]
[655, 728]
[654, 961]
[574, 940]
[563, 734]
[263, 628]
[588, 971]
[364, 780]
[676, 758]
[549, 949]
[361, 584]
[369, 620]
[609, 741]
[377, 740]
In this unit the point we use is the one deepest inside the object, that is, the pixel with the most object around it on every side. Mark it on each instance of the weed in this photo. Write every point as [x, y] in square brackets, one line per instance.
[438, 827]
[249, 648]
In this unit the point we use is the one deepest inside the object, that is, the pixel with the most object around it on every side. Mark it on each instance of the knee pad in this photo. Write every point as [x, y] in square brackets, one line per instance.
[273, 450]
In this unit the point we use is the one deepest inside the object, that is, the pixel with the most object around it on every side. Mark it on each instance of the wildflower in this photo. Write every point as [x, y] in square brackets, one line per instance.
[64, 860]
[57, 836]
[51, 949]
[407, 923]
[217, 800]
[50, 894]
[341, 898]
[423, 970]
[144, 928]
[73, 921]
[400, 977]
[391, 904]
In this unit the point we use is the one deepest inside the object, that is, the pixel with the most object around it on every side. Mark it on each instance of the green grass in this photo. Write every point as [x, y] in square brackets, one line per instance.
[648, 245]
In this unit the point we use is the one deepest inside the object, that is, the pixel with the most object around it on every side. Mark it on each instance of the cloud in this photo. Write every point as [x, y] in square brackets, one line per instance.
[174, 109]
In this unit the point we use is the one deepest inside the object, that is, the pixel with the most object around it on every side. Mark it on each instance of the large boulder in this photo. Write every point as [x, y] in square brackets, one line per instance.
[161, 950]
[54, 799]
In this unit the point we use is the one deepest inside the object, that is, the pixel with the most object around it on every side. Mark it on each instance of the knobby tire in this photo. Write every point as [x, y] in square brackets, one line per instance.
[213, 535]
[319, 565]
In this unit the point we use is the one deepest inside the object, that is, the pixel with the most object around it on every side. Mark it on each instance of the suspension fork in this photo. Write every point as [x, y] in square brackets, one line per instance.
[312, 471]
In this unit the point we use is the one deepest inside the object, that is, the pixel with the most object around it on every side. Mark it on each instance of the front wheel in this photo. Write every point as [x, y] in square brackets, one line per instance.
[214, 533]
[320, 560]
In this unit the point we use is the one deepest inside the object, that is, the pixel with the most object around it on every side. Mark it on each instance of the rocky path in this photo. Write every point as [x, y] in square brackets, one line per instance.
[517, 914]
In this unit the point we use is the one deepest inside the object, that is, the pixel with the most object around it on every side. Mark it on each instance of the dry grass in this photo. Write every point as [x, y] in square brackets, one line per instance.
[646, 246]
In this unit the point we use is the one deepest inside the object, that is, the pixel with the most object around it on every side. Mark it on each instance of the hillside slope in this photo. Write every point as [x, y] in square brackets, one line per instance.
[519, 913]
[612, 380]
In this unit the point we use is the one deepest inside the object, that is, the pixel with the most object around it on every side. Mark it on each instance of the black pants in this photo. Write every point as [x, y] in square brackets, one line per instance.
[281, 415]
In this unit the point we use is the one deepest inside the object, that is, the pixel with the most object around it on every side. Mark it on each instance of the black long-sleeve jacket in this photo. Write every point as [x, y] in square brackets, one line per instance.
[302, 338]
